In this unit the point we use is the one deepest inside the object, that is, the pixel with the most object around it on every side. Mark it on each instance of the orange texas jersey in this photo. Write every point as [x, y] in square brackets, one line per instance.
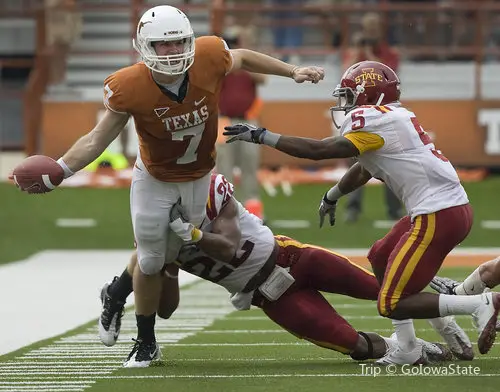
[176, 137]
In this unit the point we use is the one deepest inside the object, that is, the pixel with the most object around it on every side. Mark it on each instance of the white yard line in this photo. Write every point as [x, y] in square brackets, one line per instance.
[54, 367]
[58, 289]
[280, 375]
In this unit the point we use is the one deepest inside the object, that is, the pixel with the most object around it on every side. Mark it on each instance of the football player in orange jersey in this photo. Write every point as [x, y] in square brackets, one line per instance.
[173, 95]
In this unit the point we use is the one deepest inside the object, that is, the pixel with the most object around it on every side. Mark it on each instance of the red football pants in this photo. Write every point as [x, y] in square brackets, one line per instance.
[412, 252]
[302, 309]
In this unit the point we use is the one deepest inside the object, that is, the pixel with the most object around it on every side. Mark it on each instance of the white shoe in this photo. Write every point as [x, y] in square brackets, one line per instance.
[142, 354]
[435, 352]
[474, 317]
[391, 343]
[110, 320]
[455, 337]
[398, 357]
[486, 315]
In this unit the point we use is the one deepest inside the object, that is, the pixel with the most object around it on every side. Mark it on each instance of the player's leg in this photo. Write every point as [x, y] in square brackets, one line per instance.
[489, 275]
[194, 196]
[169, 300]
[415, 262]
[121, 288]
[486, 276]
[381, 250]
[483, 279]
[307, 314]
[324, 270]
[150, 202]
[402, 262]
[113, 298]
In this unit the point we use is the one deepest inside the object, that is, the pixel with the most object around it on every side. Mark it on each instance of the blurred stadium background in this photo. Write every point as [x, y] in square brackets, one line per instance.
[55, 54]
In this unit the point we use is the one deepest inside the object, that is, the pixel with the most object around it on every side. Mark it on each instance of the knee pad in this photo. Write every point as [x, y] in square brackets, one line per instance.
[369, 352]
[151, 265]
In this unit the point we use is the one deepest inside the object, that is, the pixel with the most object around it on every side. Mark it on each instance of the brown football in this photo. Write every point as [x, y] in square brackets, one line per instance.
[38, 174]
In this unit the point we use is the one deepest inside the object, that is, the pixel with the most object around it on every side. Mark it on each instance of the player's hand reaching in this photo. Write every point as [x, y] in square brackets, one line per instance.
[327, 207]
[444, 285]
[308, 74]
[181, 226]
[245, 132]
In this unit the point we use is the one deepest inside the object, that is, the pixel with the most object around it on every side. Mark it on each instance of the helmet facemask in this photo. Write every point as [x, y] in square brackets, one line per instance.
[173, 64]
[346, 99]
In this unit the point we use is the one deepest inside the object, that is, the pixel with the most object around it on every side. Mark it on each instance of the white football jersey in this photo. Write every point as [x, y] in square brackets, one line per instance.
[408, 162]
[256, 244]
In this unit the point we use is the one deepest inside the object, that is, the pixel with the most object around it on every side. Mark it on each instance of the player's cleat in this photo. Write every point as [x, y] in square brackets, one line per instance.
[436, 352]
[110, 320]
[391, 344]
[487, 316]
[454, 336]
[444, 285]
[142, 354]
[474, 316]
[418, 356]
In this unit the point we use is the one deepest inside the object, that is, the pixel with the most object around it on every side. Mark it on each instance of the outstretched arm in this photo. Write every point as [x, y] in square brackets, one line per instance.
[301, 147]
[261, 63]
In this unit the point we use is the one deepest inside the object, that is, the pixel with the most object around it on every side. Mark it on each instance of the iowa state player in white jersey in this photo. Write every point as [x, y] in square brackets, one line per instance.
[278, 274]
[391, 145]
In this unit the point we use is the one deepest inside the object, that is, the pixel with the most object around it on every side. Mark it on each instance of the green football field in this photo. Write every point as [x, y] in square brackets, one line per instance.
[208, 347]
[29, 221]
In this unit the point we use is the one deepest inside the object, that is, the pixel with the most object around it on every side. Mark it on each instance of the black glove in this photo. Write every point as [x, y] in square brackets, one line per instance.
[444, 285]
[245, 132]
[327, 207]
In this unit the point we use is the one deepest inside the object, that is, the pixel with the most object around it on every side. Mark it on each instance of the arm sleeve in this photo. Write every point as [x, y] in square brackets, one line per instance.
[220, 54]
[113, 98]
[365, 141]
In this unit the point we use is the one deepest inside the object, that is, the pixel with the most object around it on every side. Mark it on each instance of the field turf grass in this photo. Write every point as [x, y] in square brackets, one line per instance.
[239, 351]
[28, 221]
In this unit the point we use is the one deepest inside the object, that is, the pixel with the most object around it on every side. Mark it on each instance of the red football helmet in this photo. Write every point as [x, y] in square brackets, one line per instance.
[366, 83]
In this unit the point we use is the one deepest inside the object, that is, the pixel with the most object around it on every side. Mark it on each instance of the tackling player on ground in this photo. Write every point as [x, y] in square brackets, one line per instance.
[278, 274]
[391, 145]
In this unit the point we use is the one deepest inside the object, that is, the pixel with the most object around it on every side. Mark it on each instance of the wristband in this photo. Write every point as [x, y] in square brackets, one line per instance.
[334, 193]
[196, 234]
[270, 138]
[67, 171]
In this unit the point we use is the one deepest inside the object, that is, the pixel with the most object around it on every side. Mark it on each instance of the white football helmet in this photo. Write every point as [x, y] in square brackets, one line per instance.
[165, 23]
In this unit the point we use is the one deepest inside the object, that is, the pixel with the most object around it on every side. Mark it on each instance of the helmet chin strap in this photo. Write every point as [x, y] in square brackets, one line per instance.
[380, 99]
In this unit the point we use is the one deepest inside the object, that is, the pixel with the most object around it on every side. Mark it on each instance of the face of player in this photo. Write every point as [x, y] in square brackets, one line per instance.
[168, 48]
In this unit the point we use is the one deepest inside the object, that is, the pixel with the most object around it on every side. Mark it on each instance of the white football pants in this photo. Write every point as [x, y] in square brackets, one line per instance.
[150, 203]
